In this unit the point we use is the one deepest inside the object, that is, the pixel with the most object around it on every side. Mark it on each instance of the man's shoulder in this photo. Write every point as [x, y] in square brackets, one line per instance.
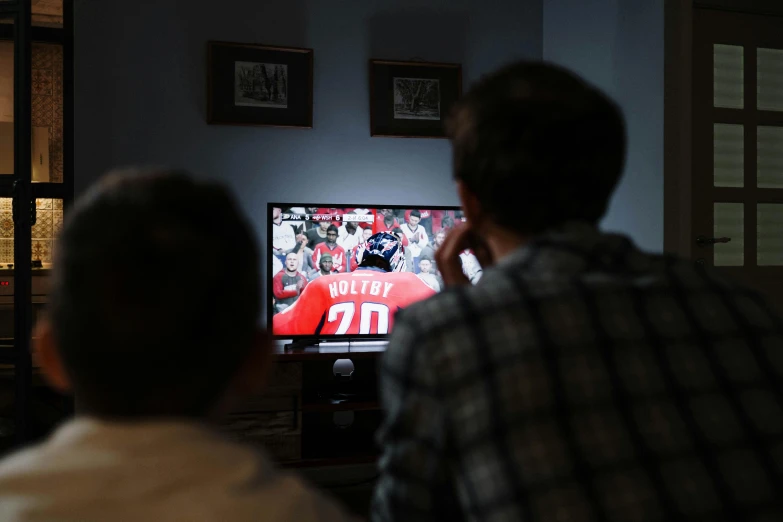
[62, 477]
[22, 463]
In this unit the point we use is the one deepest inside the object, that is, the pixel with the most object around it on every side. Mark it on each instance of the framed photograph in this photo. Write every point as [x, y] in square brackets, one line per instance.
[412, 99]
[259, 85]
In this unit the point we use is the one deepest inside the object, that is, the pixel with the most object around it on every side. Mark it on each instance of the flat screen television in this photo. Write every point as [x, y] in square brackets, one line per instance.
[322, 286]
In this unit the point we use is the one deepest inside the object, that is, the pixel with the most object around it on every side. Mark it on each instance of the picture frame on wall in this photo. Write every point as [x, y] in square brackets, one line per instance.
[261, 85]
[412, 99]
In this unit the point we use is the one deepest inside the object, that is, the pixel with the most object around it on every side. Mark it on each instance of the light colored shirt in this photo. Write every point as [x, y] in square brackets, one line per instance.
[283, 237]
[470, 266]
[92, 470]
[430, 280]
[418, 233]
[349, 241]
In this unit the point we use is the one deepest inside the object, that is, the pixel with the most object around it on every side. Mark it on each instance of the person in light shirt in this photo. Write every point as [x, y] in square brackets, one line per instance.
[417, 236]
[156, 363]
[349, 235]
[283, 235]
[425, 274]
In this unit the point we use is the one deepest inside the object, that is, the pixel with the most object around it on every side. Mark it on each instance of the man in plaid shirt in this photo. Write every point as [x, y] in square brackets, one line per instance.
[580, 379]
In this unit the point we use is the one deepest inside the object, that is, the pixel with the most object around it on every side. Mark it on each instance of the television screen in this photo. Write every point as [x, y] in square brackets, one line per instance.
[333, 274]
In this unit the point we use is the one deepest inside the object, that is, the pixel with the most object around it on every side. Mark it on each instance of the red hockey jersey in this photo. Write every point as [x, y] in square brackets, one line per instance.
[358, 303]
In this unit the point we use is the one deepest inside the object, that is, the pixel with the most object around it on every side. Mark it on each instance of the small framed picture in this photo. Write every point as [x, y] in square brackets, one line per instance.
[412, 99]
[259, 85]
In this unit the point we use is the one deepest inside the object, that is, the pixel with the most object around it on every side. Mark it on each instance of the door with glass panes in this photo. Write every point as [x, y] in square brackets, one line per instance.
[738, 147]
[35, 186]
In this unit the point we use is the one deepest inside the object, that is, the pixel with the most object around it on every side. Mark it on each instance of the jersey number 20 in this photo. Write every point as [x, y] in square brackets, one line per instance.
[366, 312]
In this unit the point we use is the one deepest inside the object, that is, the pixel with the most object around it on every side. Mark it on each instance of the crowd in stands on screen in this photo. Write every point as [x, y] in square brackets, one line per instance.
[329, 247]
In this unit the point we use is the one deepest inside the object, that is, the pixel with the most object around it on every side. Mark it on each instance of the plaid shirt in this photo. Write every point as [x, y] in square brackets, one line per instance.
[582, 380]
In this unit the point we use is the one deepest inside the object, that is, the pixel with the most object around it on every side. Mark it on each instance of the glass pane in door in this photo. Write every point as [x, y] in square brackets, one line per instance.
[770, 234]
[769, 157]
[728, 76]
[47, 94]
[769, 87]
[47, 111]
[729, 221]
[6, 234]
[6, 107]
[47, 13]
[728, 155]
[48, 223]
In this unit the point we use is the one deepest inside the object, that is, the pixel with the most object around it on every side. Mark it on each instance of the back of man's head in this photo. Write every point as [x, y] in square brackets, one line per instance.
[537, 146]
[155, 295]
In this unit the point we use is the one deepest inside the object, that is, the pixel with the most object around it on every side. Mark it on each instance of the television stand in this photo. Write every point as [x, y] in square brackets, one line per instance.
[335, 345]
[301, 344]
[314, 412]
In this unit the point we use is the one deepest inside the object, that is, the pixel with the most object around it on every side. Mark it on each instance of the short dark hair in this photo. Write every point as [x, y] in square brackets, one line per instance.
[396, 230]
[332, 228]
[416, 213]
[537, 146]
[155, 294]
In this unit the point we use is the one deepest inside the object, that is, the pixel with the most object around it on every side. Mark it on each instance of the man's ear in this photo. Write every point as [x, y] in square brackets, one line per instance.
[251, 376]
[470, 205]
[46, 354]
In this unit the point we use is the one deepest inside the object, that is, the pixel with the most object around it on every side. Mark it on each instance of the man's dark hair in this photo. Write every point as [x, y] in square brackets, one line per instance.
[155, 294]
[537, 146]
[416, 213]
[396, 230]
[332, 228]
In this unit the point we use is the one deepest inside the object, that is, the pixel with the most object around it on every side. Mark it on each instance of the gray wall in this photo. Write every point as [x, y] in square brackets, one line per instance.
[140, 91]
[618, 45]
[141, 82]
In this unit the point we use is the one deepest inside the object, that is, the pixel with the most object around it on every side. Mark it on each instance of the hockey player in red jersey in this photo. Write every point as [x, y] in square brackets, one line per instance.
[357, 303]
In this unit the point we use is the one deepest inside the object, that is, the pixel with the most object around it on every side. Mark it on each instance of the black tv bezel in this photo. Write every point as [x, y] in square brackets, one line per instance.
[268, 278]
